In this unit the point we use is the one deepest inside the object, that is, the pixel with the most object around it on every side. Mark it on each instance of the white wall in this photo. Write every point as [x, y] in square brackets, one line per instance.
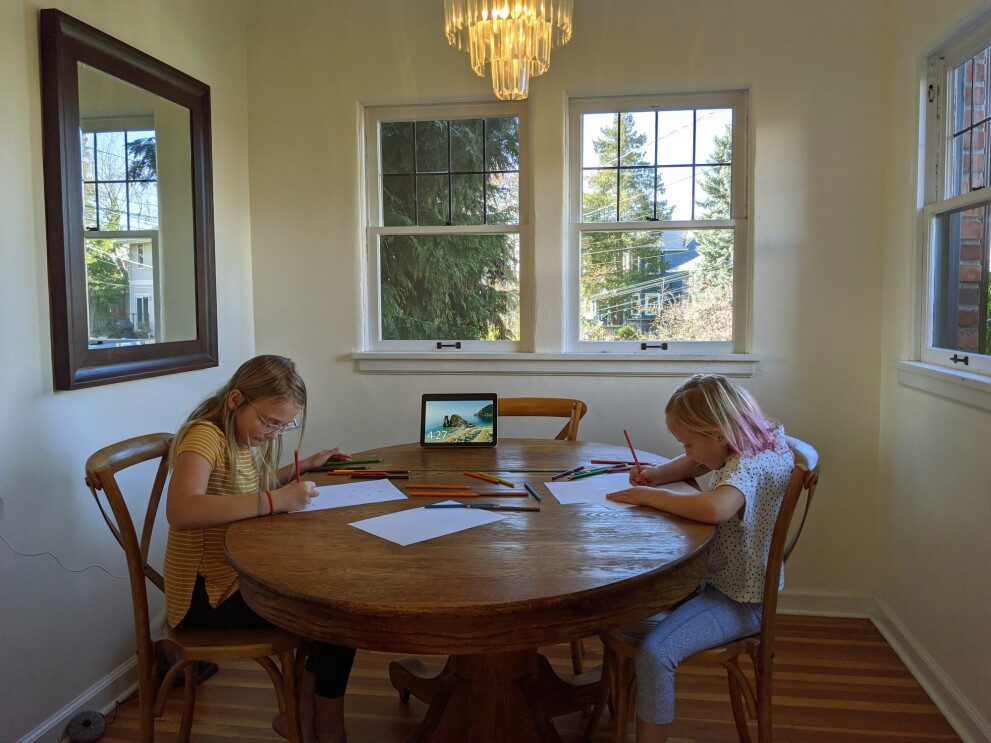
[64, 633]
[935, 587]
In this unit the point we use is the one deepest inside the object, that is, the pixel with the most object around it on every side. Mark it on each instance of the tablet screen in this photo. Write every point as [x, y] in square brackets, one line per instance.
[461, 419]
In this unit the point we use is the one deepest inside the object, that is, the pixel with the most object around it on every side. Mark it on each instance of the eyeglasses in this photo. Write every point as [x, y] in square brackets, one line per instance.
[268, 426]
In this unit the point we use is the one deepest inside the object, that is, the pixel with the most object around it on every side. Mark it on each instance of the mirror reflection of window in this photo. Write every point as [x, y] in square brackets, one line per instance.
[133, 293]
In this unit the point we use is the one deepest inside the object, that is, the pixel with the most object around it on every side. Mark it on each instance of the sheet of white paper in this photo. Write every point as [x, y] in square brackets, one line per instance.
[355, 493]
[591, 489]
[595, 488]
[420, 524]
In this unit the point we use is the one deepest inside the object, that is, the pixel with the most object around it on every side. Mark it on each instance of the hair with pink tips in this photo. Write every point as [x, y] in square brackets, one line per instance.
[711, 404]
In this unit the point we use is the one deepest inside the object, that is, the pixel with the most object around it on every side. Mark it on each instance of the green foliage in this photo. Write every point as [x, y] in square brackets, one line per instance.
[715, 247]
[450, 286]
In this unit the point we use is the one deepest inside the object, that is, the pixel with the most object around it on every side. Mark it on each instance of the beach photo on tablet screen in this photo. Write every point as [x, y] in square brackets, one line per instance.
[458, 421]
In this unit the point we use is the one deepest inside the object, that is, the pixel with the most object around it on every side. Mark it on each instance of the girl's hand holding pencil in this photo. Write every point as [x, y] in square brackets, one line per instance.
[293, 497]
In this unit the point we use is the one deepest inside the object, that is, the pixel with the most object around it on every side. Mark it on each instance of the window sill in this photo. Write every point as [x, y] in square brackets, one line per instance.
[972, 390]
[553, 364]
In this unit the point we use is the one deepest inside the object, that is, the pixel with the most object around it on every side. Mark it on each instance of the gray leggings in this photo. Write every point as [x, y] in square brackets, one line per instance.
[705, 621]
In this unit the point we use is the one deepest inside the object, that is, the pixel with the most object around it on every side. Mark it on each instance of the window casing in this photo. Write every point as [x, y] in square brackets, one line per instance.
[448, 214]
[659, 238]
[957, 210]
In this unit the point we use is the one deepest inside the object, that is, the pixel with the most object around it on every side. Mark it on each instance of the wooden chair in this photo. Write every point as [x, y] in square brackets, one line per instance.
[552, 407]
[752, 697]
[547, 407]
[190, 646]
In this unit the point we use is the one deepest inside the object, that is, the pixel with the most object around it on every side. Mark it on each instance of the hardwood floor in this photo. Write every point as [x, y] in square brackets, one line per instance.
[836, 680]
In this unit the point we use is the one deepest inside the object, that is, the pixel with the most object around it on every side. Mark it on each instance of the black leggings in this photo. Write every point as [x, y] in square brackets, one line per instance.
[329, 664]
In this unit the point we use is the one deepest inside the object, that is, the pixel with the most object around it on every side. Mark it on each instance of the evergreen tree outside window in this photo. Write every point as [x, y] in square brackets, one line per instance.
[956, 332]
[659, 222]
[445, 214]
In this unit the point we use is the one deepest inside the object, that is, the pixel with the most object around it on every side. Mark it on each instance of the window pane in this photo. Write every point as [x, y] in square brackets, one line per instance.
[143, 204]
[960, 281]
[398, 200]
[713, 135]
[637, 143]
[599, 137]
[502, 144]
[968, 153]
[675, 134]
[599, 191]
[674, 189]
[712, 192]
[463, 287]
[111, 165]
[432, 147]
[432, 200]
[468, 199]
[665, 285]
[503, 198]
[467, 146]
[397, 147]
[115, 279]
[636, 194]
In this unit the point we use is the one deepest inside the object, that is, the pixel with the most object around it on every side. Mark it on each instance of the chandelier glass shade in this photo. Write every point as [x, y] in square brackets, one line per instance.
[512, 38]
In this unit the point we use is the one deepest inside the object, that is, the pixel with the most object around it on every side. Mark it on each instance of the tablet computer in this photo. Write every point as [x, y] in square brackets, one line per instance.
[459, 419]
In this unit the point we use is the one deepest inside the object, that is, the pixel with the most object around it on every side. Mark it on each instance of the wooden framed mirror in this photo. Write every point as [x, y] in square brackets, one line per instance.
[128, 201]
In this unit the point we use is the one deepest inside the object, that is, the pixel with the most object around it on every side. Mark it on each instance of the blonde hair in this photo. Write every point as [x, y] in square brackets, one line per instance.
[710, 404]
[260, 378]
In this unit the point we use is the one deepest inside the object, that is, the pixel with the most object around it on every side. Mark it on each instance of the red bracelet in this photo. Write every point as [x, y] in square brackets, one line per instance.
[271, 508]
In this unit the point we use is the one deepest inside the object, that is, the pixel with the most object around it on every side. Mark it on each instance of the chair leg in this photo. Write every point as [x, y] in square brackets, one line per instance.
[290, 695]
[623, 689]
[188, 701]
[605, 695]
[578, 657]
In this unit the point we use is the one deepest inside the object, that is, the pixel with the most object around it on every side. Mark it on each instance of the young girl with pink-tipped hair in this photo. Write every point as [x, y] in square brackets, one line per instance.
[726, 435]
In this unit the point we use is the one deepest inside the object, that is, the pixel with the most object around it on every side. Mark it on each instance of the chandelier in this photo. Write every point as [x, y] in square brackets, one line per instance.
[512, 37]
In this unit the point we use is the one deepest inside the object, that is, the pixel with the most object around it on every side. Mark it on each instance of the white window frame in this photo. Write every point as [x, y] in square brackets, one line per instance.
[374, 228]
[936, 183]
[739, 221]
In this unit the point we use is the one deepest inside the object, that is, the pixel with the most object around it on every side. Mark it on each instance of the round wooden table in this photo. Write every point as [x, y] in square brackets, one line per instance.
[488, 596]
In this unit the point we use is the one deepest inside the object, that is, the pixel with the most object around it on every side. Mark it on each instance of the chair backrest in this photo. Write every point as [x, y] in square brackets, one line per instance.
[101, 475]
[804, 479]
[547, 407]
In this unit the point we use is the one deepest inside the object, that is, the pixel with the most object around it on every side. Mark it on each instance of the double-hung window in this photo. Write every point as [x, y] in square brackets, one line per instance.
[957, 212]
[658, 231]
[120, 223]
[447, 216]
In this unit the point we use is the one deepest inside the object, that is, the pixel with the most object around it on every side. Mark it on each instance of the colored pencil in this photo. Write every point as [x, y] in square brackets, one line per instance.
[572, 471]
[589, 473]
[440, 493]
[507, 483]
[532, 491]
[345, 463]
[611, 461]
[480, 476]
[632, 450]
[489, 506]
[414, 486]
[296, 456]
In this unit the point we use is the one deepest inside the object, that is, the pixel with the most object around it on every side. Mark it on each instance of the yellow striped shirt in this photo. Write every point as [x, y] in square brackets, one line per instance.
[201, 551]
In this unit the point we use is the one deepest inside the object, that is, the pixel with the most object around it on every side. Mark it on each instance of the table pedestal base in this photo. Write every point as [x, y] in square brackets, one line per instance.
[497, 697]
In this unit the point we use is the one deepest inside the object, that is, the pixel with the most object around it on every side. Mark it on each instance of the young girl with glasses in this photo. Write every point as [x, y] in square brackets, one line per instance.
[724, 432]
[225, 467]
